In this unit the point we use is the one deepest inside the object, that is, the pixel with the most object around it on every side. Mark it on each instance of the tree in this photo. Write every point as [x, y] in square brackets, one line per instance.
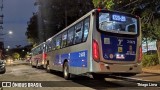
[32, 30]
[108, 4]
[55, 15]
[16, 55]
[147, 10]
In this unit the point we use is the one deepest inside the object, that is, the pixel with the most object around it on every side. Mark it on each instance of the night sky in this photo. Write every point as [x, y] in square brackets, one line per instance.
[16, 15]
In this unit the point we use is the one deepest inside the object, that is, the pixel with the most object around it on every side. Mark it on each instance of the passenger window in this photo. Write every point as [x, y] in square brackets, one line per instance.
[78, 33]
[40, 49]
[86, 29]
[70, 36]
[49, 46]
[58, 42]
[53, 44]
[64, 39]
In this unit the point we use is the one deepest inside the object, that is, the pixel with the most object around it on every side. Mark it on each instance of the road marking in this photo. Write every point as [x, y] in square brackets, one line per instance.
[136, 79]
[130, 78]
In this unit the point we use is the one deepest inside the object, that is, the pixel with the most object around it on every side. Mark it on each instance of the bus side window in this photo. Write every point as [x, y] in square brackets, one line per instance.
[35, 51]
[64, 39]
[53, 44]
[78, 33]
[49, 46]
[58, 42]
[40, 49]
[86, 29]
[70, 36]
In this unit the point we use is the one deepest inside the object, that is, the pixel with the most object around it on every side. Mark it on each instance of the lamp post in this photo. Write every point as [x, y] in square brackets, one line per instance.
[2, 44]
[9, 33]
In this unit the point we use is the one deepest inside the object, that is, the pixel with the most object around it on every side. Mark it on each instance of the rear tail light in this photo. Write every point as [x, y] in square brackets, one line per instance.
[99, 9]
[140, 54]
[95, 50]
[44, 56]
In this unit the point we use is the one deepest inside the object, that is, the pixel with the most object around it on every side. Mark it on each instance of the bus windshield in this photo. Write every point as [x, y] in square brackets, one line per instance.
[117, 23]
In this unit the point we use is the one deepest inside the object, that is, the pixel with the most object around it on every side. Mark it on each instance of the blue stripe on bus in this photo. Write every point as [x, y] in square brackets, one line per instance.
[76, 59]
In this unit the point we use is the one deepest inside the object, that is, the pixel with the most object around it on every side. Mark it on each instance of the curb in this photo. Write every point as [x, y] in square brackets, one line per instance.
[150, 72]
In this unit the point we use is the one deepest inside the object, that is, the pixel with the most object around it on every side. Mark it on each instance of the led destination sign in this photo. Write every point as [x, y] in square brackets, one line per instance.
[119, 18]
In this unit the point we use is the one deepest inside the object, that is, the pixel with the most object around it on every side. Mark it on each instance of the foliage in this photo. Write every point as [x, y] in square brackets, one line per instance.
[32, 30]
[156, 29]
[27, 55]
[108, 4]
[147, 10]
[150, 60]
[54, 15]
[16, 55]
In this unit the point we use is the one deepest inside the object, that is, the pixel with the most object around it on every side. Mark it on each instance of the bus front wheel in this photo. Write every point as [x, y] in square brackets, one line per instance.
[66, 73]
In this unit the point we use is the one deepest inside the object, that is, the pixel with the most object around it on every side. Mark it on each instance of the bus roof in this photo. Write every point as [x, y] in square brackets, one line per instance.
[83, 17]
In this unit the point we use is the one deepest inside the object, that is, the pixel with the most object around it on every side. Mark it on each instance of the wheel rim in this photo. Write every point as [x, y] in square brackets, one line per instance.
[48, 67]
[66, 71]
[37, 64]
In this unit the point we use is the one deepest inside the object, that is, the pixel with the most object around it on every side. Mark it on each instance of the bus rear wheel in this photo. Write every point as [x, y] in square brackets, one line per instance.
[47, 68]
[37, 65]
[66, 73]
[32, 65]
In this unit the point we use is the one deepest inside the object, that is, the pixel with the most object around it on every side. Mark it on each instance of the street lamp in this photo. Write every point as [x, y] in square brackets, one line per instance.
[9, 33]
[8, 47]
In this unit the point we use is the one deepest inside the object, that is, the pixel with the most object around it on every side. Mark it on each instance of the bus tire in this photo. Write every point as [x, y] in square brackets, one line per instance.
[48, 68]
[66, 73]
[33, 66]
[37, 65]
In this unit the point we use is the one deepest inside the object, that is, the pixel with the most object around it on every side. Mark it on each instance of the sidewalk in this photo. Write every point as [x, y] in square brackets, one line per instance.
[152, 69]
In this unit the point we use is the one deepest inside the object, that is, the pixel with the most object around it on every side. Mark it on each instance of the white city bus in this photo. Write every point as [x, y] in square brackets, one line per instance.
[38, 56]
[100, 43]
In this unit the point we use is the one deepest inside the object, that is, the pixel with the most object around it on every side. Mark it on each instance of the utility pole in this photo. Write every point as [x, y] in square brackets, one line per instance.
[1, 15]
[1, 29]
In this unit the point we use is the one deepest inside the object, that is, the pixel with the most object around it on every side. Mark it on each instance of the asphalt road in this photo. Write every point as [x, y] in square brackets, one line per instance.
[55, 80]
